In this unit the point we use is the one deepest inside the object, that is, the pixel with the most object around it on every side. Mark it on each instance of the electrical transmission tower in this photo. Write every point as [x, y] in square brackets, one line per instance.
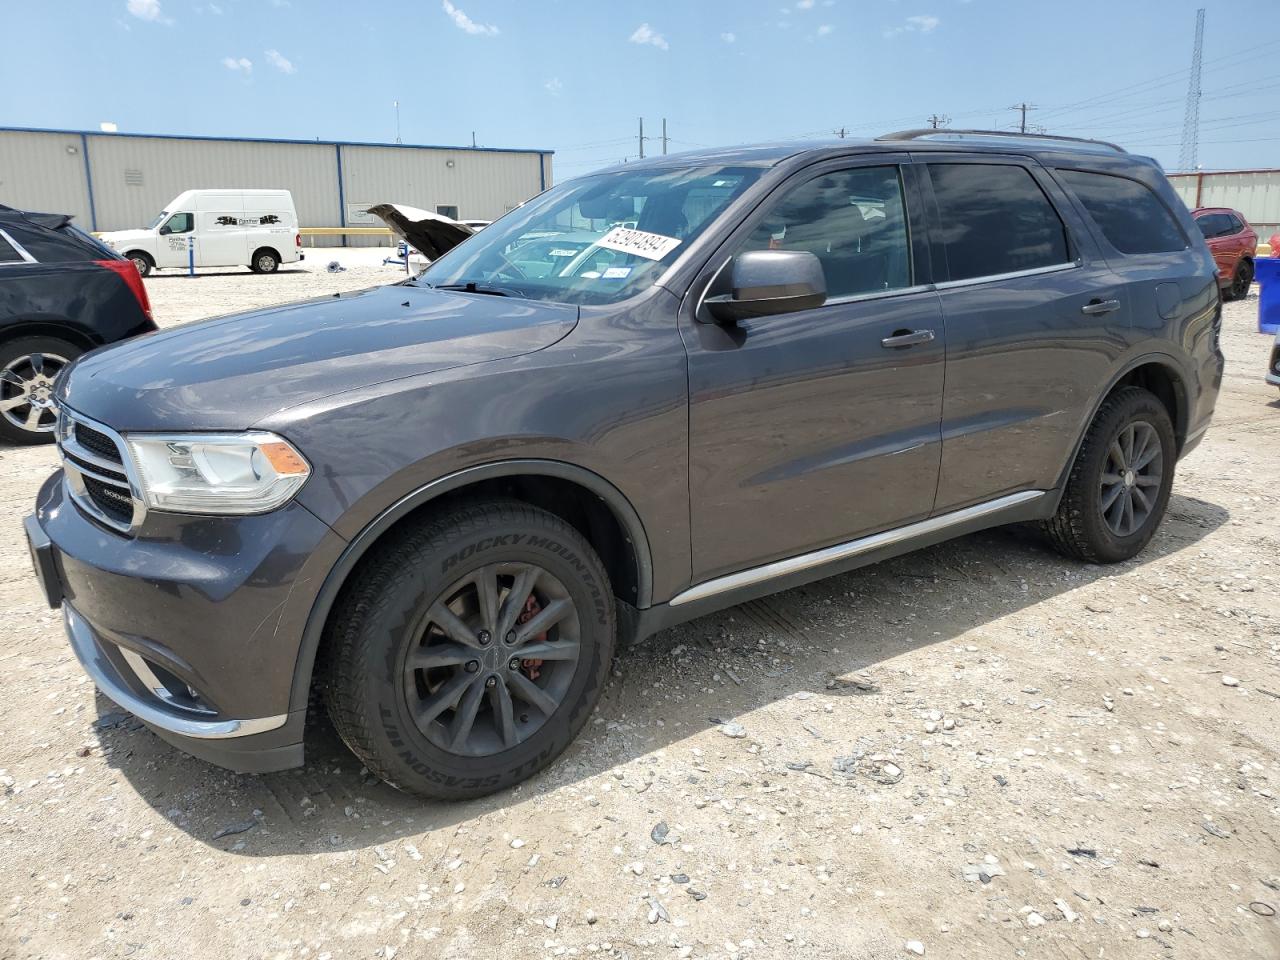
[1189, 157]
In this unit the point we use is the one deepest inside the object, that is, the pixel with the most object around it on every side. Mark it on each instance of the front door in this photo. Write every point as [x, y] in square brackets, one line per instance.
[808, 429]
[171, 251]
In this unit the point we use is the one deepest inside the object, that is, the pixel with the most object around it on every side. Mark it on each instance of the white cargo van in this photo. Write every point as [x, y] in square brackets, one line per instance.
[220, 228]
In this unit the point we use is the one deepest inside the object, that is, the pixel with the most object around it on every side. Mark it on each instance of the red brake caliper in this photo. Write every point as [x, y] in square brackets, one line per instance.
[533, 667]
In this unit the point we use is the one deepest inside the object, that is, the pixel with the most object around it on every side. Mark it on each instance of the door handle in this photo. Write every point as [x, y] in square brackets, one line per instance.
[1095, 307]
[906, 338]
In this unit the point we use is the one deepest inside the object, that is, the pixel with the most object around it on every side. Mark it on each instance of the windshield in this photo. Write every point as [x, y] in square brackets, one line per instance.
[597, 239]
[158, 220]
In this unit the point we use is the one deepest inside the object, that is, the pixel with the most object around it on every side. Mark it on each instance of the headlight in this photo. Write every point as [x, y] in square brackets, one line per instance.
[217, 473]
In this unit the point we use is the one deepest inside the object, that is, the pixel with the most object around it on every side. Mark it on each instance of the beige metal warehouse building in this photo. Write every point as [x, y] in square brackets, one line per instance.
[1255, 193]
[114, 181]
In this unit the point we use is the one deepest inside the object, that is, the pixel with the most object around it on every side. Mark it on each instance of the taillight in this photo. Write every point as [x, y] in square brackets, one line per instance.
[297, 239]
[132, 279]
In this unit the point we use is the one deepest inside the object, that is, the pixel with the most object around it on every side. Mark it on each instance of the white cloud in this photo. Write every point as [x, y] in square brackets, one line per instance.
[921, 23]
[804, 4]
[280, 61]
[242, 65]
[215, 9]
[554, 86]
[466, 24]
[825, 30]
[729, 37]
[646, 34]
[145, 9]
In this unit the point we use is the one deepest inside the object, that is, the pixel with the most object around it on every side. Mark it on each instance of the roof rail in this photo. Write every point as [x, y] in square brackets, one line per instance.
[929, 133]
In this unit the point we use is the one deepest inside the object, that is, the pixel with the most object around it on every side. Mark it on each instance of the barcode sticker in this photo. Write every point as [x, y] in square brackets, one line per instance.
[651, 246]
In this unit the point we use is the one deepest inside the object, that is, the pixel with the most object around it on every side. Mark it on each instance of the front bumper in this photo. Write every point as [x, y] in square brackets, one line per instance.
[194, 625]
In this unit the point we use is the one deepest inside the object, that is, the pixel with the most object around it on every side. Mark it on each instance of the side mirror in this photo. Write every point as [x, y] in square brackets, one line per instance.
[768, 282]
[165, 231]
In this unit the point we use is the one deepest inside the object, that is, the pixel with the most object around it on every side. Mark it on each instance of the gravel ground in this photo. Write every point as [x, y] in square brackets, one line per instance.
[978, 750]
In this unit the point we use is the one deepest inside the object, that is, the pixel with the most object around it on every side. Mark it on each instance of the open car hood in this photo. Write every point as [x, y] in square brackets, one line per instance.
[429, 233]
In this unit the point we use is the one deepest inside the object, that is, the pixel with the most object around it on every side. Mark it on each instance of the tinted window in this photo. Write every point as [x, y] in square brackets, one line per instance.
[7, 253]
[1214, 225]
[60, 245]
[853, 222]
[1130, 216]
[995, 219]
[1236, 223]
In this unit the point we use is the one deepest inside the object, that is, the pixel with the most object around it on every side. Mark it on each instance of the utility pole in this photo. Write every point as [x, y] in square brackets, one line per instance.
[396, 104]
[936, 121]
[840, 133]
[473, 138]
[642, 138]
[1189, 156]
[1023, 108]
[665, 138]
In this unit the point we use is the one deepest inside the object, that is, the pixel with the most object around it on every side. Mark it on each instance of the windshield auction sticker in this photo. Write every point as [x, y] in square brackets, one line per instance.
[651, 246]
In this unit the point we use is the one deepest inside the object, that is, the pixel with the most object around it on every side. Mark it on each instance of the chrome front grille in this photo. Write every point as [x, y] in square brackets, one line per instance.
[98, 472]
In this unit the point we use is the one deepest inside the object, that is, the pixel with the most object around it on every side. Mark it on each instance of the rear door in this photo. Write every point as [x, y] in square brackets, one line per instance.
[806, 429]
[1035, 319]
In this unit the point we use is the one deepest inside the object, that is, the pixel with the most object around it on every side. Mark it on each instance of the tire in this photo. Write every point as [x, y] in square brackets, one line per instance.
[388, 657]
[1240, 280]
[1085, 527]
[142, 261]
[265, 260]
[28, 366]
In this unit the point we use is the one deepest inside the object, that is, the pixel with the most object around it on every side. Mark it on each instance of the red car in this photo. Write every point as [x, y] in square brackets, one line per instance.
[1233, 243]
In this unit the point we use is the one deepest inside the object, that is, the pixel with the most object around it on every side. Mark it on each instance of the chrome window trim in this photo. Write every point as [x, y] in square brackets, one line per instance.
[75, 474]
[21, 250]
[1014, 275]
[852, 548]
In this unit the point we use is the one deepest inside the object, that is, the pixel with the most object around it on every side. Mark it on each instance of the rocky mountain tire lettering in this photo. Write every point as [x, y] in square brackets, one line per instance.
[503, 540]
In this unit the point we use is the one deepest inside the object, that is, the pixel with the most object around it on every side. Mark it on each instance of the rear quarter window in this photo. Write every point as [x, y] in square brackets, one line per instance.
[1129, 214]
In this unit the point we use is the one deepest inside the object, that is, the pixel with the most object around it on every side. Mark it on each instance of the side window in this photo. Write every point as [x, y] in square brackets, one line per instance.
[853, 221]
[1130, 216]
[449, 210]
[995, 219]
[178, 223]
[1235, 223]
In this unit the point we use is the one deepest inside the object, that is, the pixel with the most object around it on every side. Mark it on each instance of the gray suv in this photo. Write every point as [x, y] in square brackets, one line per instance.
[442, 504]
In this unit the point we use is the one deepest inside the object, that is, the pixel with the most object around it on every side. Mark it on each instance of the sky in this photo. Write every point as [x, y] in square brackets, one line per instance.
[575, 76]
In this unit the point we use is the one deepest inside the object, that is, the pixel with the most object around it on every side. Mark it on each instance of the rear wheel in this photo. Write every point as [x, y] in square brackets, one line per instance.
[265, 261]
[28, 367]
[142, 261]
[1119, 485]
[470, 650]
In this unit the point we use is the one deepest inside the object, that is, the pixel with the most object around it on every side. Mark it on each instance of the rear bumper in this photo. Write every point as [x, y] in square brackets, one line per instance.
[193, 626]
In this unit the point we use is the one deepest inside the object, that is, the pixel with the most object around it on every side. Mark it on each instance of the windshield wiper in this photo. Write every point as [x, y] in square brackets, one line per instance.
[473, 287]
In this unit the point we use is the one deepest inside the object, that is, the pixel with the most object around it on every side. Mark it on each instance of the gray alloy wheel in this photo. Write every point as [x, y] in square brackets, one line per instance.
[26, 391]
[1131, 478]
[494, 658]
[142, 262]
[265, 261]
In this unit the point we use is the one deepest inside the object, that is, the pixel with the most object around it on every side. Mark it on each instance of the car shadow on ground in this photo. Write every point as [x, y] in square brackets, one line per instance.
[672, 686]
[181, 274]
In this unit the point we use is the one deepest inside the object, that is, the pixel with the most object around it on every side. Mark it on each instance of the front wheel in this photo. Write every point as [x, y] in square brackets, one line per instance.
[469, 650]
[142, 261]
[1119, 485]
[1240, 281]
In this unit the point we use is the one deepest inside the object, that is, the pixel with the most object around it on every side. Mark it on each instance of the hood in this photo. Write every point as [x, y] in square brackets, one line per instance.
[429, 233]
[124, 236]
[231, 372]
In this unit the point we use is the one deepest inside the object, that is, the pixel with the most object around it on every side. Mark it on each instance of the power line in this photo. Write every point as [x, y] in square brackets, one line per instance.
[936, 121]
[1023, 108]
